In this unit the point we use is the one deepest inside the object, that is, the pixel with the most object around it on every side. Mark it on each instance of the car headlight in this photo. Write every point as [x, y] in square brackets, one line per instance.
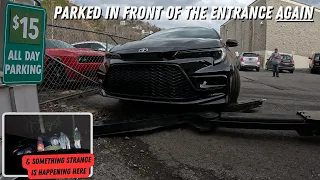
[219, 55]
[109, 56]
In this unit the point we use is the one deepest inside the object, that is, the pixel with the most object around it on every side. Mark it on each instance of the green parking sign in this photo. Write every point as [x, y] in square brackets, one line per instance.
[24, 44]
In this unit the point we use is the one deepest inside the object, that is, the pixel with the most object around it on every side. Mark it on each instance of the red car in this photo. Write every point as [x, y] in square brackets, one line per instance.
[77, 64]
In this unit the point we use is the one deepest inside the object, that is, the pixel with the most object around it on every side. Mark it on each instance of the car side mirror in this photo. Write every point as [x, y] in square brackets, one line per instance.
[232, 43]
[310, 58]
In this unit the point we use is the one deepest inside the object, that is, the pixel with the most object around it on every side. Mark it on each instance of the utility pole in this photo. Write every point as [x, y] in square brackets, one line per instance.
[242, 35]
[52, 10]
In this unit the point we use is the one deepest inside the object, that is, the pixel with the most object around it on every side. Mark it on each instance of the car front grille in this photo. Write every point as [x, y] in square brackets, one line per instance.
[148, 81]
[148, 56]
[91, 59]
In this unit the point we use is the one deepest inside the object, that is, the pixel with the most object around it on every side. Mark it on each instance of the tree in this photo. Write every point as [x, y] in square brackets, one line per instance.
[42, 128]
[52, 122]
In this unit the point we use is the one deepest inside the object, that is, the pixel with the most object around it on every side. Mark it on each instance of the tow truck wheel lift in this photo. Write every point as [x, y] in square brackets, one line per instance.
[305, 123]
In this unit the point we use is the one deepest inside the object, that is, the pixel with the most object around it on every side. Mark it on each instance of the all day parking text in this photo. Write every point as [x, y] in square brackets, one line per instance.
[23, 62]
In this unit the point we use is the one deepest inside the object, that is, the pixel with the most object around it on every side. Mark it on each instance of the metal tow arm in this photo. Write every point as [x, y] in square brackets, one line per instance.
[306, 123]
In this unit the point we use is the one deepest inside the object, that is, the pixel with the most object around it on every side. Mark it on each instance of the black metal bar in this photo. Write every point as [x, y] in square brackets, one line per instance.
[261, 118]
[204, 119]
[110, 127]
[96, 32]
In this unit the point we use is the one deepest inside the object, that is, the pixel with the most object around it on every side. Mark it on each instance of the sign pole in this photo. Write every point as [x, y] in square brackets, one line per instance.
[24, 38]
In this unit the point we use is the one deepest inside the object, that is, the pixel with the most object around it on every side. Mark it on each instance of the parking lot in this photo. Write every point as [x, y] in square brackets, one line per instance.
[225, 154]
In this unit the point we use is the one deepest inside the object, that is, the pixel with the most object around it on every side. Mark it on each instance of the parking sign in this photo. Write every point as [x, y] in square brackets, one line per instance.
[24, 44]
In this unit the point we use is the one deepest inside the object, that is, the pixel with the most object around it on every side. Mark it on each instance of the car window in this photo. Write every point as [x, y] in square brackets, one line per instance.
[96, 46]
[186, 32]
[57, 44]
[317, 57]
[250, 54]
[286, 57]
[109, 46]
[81, 45]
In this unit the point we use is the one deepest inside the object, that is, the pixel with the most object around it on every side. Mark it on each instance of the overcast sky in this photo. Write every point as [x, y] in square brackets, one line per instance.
[164, 23]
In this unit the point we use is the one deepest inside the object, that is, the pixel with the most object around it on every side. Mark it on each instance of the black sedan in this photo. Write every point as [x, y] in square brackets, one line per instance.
[187, 65]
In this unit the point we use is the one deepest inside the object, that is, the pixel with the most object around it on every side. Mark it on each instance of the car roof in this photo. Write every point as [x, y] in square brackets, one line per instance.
[285, 54]
[84, 42]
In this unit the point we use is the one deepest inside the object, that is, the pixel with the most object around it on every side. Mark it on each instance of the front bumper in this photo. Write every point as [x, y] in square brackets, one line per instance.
[245, 66]
[166, 83]
[315, 68]
[286, 68]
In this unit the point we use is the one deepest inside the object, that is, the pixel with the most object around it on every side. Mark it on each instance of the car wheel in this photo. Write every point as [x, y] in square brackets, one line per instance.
[291, 71]
[235, 86]
[258, 69]
[312, 71]
[55, 75]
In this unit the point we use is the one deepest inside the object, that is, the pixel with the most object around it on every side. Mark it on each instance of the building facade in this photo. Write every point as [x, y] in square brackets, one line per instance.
[300, 39]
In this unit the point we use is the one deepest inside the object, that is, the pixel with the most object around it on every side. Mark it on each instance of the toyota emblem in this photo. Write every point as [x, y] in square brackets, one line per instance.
[143, 50]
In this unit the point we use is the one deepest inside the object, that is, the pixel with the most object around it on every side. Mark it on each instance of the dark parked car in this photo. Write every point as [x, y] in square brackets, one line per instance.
[249, 61]
[314, 64]
[286, 63]
[187, 65]
[28, 146]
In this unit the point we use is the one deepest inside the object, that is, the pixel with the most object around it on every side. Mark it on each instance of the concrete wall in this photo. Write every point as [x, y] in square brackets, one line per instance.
[250, 34]
[299, 38]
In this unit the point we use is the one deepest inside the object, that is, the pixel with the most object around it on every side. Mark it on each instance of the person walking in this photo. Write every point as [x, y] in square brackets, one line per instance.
[64, 141]
[275, 59]
[77, 138]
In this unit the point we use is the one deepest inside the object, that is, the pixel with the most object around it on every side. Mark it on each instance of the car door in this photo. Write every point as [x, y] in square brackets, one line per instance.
[268, 64]
[316, 59]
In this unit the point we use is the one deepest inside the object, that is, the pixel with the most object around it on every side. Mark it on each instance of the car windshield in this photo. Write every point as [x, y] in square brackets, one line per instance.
[57, 44]
[317, 57]
[187, 32]
[286, 57]
[250, 55]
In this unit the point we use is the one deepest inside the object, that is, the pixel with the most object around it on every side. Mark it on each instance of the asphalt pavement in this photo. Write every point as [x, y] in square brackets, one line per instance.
[227, 153]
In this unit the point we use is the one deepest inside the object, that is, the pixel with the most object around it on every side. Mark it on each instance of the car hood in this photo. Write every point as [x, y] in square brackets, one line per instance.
[165, 45]
[73, 52]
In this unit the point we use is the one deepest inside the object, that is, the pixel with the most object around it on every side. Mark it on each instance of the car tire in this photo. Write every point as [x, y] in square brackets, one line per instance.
[291, 71]
[235, 86]
[258, 69]
[312, 71]
[56, 75]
